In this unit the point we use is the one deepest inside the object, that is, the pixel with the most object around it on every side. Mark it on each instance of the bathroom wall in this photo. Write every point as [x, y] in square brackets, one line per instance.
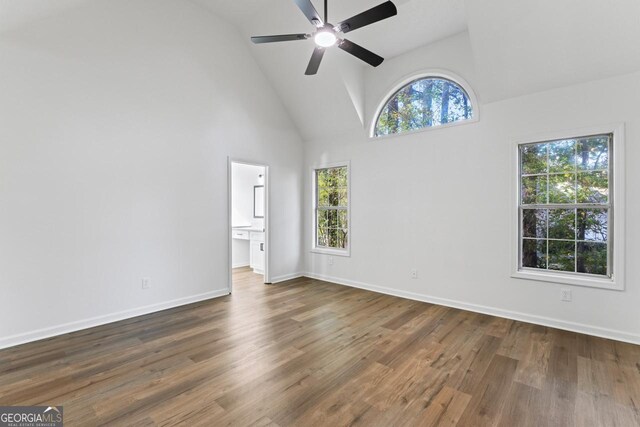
[243, 179]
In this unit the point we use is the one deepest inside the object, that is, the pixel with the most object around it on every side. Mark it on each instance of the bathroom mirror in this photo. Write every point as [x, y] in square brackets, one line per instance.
[258, 201]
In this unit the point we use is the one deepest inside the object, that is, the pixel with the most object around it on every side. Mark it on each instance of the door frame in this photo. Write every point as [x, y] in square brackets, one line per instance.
[267, 216]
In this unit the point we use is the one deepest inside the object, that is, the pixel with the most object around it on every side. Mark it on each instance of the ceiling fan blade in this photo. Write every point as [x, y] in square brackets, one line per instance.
[279, 38]
[314, 64]
[310, 12]
[360, 52]
[375, 14]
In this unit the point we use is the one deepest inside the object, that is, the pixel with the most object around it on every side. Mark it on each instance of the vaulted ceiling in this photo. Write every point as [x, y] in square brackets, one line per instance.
[324, 104]
[417, 23]
[523, 47]
[518, 47]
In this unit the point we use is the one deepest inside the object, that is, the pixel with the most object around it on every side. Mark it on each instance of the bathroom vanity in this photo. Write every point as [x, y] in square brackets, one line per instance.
[255, 236]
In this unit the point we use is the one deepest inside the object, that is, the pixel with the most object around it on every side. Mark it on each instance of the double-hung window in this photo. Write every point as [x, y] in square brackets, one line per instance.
[566, 209]
[331, 209]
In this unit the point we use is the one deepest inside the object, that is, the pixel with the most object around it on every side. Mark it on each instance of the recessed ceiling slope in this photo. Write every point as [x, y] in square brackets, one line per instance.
[523, 47]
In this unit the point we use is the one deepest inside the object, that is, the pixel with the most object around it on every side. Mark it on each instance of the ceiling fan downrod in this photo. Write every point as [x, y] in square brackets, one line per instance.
[326, 11]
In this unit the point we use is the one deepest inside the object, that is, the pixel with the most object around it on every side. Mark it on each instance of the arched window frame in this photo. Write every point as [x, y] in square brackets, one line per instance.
[426, 74]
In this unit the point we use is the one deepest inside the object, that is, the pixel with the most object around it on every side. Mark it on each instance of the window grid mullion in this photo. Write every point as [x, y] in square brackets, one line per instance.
[548, 199]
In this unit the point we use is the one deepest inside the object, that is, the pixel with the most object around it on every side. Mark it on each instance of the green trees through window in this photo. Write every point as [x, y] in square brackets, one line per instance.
[565, 205]
[424, 103]
[332, 207]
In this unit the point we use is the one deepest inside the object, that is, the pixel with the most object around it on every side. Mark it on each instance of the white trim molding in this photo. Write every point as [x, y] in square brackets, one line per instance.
[580, 328]
[436, 73]
[617, 281]
[79, 325]
[286, 277]
[239, 265]
[330, 251]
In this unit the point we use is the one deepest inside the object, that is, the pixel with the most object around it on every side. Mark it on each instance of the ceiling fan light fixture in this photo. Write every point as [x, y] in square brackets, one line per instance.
[325, 38]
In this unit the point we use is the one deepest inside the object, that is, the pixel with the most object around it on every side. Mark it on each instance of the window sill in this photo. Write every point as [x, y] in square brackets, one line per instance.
[334, 252]
[567, 279]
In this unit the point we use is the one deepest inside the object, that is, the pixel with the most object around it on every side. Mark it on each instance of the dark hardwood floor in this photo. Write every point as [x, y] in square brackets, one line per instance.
[306, 352]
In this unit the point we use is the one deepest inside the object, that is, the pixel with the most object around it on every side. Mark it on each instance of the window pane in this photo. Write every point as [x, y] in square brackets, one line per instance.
[333, 237]
[571, 172]
[534, 159]
[562, 255]
[534, 253]
[323, 197]
[592, 258]
[562, 224]
[323, 237]
[321, 177]
[341, 177]
[331, 183]
[334, 197]
[562, 188]
[332, 218]
[534, 190]
[424, 103]
[562, 156]
[322, 219]
[342, 239]
[343, 219]
[593, 153]
[593, 224]
[534, 223]
[343, 199]
[593, 187]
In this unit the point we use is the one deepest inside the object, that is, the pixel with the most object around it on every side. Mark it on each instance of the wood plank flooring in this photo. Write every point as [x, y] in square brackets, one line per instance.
[309, 353]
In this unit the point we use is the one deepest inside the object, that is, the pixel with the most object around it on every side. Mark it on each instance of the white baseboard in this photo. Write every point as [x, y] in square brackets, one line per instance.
[240, 265]
[52, 331]
[523, 317]
[286, 277]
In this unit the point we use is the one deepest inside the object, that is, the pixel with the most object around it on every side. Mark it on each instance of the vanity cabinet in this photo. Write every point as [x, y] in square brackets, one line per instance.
[256, 251]
[240, 234]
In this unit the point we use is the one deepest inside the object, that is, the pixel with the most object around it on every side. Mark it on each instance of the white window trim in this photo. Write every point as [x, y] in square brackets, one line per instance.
[617, 281]
[424, 74]
[329, 251]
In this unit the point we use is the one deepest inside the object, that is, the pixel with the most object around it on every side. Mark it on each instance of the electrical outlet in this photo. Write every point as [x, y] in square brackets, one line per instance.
[146, 282]
[414, 274]
[565, 295]
[330, 260]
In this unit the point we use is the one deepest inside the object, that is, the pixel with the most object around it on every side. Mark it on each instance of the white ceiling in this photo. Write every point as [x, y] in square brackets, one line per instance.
[518, 47]
[523, 47]
[324, 104]
[418, 21]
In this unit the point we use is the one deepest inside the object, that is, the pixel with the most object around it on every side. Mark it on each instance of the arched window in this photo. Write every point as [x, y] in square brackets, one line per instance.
[423, 103]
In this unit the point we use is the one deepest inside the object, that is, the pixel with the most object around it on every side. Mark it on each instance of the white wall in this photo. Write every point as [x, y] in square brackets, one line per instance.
[116, 121]
[243, 179]
[440, 201]
[240, 255]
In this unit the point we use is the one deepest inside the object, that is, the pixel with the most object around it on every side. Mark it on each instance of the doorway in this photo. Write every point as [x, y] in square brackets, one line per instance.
[248, 223]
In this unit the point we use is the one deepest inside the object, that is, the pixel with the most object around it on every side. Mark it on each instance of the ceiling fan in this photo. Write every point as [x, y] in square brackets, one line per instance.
[327, 35]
